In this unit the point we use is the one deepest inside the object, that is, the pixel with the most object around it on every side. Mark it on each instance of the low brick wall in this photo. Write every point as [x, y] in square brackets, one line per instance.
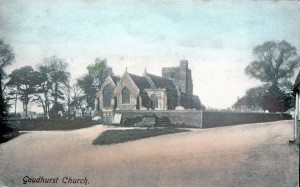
[217, 119]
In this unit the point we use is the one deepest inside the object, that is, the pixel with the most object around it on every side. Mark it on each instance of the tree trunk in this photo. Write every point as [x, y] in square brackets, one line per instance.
[16, 105]
[1, 98]
[55, 93]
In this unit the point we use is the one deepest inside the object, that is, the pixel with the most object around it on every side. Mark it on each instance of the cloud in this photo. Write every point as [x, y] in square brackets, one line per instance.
[216, 37]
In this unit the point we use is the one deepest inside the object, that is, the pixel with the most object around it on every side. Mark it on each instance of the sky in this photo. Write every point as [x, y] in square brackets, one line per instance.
[216, 37]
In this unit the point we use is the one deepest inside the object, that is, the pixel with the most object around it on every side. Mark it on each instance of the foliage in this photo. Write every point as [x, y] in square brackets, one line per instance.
[57, 75]
[86, 83]
[56, 110]
[92, 81]
[54, 124]
[270, 98]
[67, 93]
[77, 97]
[4, 122]
[99, 71]
[25, 82]
[6, 58]
[55, 79]
[275, 100]
[274, 62]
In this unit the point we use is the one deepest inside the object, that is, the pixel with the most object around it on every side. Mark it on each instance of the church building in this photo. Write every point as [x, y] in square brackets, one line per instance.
[149, 92]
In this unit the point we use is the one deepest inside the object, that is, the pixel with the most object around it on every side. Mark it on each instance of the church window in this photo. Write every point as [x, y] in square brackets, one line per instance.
[107, 96]
[154, 101]
[172, 75]
[125, 95]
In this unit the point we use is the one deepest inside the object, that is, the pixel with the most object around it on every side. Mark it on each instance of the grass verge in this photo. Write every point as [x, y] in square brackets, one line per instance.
[54, 124]
[120, 136]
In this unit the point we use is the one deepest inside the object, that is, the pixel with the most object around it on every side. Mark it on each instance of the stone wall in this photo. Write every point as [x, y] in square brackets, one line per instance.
[191, 118]
[217, 119]
[202, 119]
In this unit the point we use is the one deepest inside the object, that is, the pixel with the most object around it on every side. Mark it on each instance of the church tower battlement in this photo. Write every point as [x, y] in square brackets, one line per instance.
[182, 77]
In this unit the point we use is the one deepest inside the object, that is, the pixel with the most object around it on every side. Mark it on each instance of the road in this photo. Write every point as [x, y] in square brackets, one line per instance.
[241, 155]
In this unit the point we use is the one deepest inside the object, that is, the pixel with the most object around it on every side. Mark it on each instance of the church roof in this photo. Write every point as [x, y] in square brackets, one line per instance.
[161, 82]
[141, 82]
[115, 79]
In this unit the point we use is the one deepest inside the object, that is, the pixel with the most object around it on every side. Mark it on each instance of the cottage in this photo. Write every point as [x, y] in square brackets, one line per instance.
[243, 104]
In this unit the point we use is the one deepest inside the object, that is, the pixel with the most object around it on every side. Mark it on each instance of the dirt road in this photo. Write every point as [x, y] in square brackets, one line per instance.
[242, 155]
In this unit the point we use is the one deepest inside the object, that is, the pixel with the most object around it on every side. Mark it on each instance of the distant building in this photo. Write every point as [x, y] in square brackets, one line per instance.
[149, 92]
[245, 104]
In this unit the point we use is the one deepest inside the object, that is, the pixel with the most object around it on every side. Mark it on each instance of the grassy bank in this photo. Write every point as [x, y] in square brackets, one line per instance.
[54, 124]
[121, 136]
[12, 130]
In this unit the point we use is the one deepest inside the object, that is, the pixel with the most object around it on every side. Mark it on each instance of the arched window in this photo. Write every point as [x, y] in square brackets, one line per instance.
[125, 95]
[138, 102]
[154, 101]
[107, 96]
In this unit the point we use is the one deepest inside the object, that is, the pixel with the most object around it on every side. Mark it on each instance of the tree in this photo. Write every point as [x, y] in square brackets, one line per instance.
[43, 93]
[274, 63]
[270, 98]
[73, 98]
[57, 110]
[67, 92]
[92, 82]
[86, 83]
[99, 71]
[255, 95]
[25, 82]
[77, 97]
[56, 78]
[6, 58]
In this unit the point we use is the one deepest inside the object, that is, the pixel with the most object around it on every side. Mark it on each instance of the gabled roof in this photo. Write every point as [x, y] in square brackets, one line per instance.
[141, 82]
[115, 79]
[161, 82]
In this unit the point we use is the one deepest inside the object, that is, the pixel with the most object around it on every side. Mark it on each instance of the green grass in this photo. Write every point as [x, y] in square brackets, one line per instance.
[120, 136]
[54, 124]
